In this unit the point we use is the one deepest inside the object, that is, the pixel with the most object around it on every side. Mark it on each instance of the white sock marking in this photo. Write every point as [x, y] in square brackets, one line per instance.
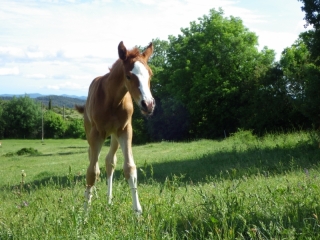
[133, 187]
[109, 194]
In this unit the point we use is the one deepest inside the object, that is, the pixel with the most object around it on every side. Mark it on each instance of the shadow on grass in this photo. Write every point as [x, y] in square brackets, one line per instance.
[58, 154]
[45, 178]
[235, 164]
[296, 223]
[74, 147]
[222, 165]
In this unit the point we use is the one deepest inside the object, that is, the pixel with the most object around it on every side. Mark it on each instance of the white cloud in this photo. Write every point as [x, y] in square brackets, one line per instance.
[67, 86]
[12, 52]
[34, 55]
[36, 76]
[9, 71]
[80, 77]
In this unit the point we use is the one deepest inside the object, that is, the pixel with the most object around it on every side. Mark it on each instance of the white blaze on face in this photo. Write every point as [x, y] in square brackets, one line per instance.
[143, 75]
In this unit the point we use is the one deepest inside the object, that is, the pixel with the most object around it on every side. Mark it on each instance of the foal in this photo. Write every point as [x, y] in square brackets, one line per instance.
[108, 111]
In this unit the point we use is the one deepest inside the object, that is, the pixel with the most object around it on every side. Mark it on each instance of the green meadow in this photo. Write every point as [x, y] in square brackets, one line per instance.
[242, 187]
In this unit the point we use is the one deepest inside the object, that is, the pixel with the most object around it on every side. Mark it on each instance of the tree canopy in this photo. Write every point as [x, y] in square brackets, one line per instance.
[22, 118]
[209, 75]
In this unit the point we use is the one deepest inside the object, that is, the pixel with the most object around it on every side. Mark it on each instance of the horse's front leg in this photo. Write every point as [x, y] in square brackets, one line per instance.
[95, 143]
[111, 161]
[129, 167]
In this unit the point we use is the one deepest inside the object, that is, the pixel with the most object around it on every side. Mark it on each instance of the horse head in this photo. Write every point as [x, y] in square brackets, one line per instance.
[137, 76]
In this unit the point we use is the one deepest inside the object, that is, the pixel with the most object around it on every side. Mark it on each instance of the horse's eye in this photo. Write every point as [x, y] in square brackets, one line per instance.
[128, 77]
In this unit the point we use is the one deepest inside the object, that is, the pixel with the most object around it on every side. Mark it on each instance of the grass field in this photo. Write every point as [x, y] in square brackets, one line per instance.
[242, 187]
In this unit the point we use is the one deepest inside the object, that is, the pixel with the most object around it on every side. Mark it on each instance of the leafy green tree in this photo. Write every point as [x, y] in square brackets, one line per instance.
[272, 108]
[22, 117]
[75, 129]
[2, 122]
[212, 69]
[139, 125]
[50, 104]
[54, 126]
[302, 77]
[170, 120]
[312, 10]
[312, 17]
[311, 101]
[157, 62]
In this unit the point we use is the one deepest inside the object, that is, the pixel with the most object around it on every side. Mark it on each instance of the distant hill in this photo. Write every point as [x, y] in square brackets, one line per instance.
[31, 95]
[56, 101]
[60, 101]
[36, 95]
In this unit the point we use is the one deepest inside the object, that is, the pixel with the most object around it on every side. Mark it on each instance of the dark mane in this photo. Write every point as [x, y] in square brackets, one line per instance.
[132, 56]
[134, 53]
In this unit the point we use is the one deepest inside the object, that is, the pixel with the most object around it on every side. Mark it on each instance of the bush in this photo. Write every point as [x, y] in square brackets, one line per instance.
[243, 136]
[75, 129]
[22, 118]
[27, 151]
[23, 151]
[54, 126]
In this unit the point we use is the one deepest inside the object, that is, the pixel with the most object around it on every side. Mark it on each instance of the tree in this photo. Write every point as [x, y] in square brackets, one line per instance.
[312, 17]
[54, 126]
[2, 122]
[311, 101]
[312, 10]
[50, 104]
[170, 120]
[75, 129]
[212, 69]
[22, 118]
[302, 77]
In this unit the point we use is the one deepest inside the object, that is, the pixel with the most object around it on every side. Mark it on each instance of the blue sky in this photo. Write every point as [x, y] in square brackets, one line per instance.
[59, 46]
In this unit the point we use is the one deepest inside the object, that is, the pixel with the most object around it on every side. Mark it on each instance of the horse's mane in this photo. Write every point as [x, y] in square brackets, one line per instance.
[132, 55]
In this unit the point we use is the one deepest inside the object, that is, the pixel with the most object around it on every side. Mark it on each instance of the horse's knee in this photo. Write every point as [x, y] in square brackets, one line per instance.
[111, 162]
[93, 174]
[130, 171]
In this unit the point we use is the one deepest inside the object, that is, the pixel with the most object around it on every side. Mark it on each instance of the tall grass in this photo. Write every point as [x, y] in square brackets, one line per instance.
[243, 187]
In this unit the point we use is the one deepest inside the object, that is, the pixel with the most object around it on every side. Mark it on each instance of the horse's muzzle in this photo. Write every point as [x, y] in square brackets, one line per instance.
[148, 106]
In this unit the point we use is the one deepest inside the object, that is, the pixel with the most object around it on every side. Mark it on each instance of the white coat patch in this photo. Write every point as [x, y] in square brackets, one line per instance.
[143, 75]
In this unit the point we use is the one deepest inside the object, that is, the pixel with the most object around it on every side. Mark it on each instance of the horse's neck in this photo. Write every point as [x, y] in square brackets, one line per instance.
[115, 86]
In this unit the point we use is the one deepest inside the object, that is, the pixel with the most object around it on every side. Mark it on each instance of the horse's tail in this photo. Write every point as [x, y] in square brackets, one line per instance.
[79, 108]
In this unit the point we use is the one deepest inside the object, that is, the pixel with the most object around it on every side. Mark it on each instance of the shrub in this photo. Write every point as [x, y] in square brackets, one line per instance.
[27, 151]
[54, 126]
[75, 129]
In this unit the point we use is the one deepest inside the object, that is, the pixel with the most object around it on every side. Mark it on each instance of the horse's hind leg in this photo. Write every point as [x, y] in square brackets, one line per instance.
[111, 161]
[95, 143]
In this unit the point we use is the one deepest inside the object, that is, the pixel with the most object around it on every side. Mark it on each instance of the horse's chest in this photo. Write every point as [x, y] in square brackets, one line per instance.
[111, 122]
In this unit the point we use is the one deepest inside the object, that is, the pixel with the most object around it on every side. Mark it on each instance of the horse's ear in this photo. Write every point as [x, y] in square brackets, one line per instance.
[148, 52]
[122, 51]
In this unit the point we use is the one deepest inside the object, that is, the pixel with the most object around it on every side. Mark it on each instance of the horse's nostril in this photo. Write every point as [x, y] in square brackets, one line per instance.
[144, 104]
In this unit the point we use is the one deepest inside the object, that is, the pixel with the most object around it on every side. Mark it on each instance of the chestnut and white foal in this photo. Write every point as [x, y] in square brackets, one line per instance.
[108, 111]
